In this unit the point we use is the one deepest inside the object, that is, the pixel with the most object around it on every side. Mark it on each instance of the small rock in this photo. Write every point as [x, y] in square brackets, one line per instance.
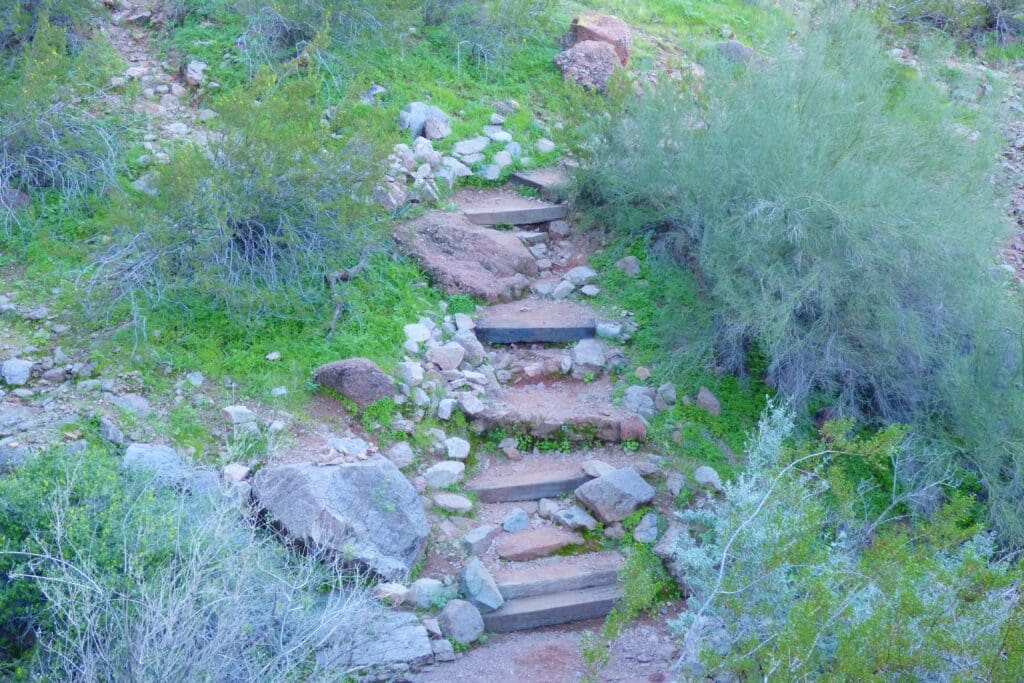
[544, 146]
[414, 117]
[563, 290]
[447, 357]
[516, 520]
[614, 531]
[597, 468]
[547, 508]
[614, 496]
[196, 379]
[630, 265]
[471, 404]
[643, 374]
[609, 330]
[134, 404]
[443, 650]
[235, 472]
[472, 146]
[400, 454]
[675, 482]
[708, 478]
[444, 474]
[453, 502]
[273, 355]
[581, 275]
[587, 358]
[411, 373]
[194, 73]
[445, 408]
[461, 621]
[278, 392]
[427, 593]
[417, 332]
[479, 588]
[707, 401]
[559, 229]
[393, 594]
[238, 415]
[110, 432]
[478, 540]
[456, 448]
[590, 290]
[16, 372]
[359, 380]
[353, 447]
[640, 400]
[647, 530]
[575, 517]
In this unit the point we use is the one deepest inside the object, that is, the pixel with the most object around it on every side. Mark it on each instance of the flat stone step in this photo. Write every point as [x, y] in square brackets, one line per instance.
[578, 410]
[533, 543]
[502, 207]
[536, 321]
[548, 181]
[556, 608]
[558, 574]
[500, 486]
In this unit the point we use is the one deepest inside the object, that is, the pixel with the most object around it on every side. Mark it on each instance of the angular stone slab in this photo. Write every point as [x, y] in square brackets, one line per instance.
[533, 543]
[529, 485]
[535, 321]
[557, 608]
[501, 207]
[466, 258]
[556, 575]
[547, 181]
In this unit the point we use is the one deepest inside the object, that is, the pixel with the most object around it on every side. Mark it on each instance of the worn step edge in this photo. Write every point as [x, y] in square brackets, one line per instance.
[519, 334]
[532, 581]
[516, 216]
[551, 609]
[507, 492]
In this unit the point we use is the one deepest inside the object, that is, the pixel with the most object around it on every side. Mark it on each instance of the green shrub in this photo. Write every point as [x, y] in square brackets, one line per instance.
[788, 585]
[48, 138]
[120, 582]
[20, 19]
[971, 20]
[253, 223]
[839, 222]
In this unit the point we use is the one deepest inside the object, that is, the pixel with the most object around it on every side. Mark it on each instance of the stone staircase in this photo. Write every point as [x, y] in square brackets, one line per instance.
[550, 353]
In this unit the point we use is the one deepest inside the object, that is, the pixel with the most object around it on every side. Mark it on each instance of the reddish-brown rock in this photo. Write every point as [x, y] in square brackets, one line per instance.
[604, 28]
[357, 379]
[463, 257]
[590, 63]
[533, 543]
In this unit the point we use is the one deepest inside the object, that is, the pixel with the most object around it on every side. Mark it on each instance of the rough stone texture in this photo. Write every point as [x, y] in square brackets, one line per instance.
[640, 400]
[587, 358]
[479, 588]
[516, 520]
[415, 115]
[466, 258]
[453, 502]
[15, 418]
[589, 63]
[401, 454]
[581, 275]
[394, 643]
[647, 530]
[162, 462]
[16, 372]
[708, 478]
[448, 356]
[357, 379]
[135, 404]
[461, 621]
[479, 540]
[444, 474]
[630, 265]
[707, 401]
[576, 517]
[366, 511]
[606, 29]
[734, 50]
[457, 448]
[614, 496]
[11, 458]
[427, 593]
[534, 543]
[443, 650]
[390, 593]
[597, 468]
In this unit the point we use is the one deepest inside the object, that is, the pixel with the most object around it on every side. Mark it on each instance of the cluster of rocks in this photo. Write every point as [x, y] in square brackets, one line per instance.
[415, 173]
[597, 45]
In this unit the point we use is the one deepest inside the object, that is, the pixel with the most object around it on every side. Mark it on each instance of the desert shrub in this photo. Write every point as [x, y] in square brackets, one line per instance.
[20, 19]
[253, 222]
[283, 30]
[970, 20]
[788, 584]
[841, 223]
[119, 581]
[48, 138]
[488, 32]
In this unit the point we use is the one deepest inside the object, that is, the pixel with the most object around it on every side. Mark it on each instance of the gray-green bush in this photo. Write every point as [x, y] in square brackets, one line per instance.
[963, 19]
[841, 222]
[486, 32]
[19, 19]
[252, 223]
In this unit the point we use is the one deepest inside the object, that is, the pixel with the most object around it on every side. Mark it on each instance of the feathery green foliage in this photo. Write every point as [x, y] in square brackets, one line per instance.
[840, 221]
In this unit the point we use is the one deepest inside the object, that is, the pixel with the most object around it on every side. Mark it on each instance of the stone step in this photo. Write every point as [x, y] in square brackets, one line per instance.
[555, 608]
[531, 544]
[499, 485]
[535, 321]
[578, 410]
[558, 574]
[548, 181]
[503, 207]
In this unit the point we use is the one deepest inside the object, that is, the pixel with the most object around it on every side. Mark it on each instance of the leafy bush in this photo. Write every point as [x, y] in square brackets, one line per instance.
[253, 223]
[129, 583]
[20, 19]
[840, 223]
[788, 585]
[48, 139]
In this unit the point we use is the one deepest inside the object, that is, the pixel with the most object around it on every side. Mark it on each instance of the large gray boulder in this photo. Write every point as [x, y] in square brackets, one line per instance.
[366, 512]
[615, 496]
[384, 648]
